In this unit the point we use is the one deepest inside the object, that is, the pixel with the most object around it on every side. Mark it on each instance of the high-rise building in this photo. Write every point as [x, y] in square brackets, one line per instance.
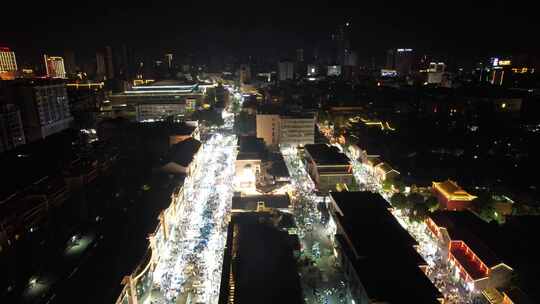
[286, 70]
[8, 64]
[268, 126]
[435, 72]
[342, 44]
[285, 129]
[124, 65]
[312, 70]
[69, 61]
[109, 62]
[297, 129]
[11, 127]
[44, 107]
[400, 60]
[54, 66]
[101, 70]
[169, 60]
[245, 73]
[350, 58]
[300, 55]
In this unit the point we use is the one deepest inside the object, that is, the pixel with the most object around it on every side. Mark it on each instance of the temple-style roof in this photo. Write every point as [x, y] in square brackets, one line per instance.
[384, 167]
[452, 191]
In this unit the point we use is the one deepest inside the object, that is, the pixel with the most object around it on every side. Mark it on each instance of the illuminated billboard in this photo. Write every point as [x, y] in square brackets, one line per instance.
[388, 73]
[496, 62]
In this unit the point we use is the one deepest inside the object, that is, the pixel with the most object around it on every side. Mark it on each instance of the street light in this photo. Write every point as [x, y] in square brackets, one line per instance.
[33, 281]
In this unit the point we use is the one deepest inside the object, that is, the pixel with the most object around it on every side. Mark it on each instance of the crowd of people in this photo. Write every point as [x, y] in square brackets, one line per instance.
[190, 260]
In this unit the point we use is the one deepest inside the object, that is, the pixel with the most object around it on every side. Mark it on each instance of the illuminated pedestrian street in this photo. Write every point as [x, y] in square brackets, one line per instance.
[189, 264]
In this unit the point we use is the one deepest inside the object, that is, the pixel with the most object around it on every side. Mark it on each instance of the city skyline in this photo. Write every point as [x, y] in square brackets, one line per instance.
[462, 30]
[269, 152]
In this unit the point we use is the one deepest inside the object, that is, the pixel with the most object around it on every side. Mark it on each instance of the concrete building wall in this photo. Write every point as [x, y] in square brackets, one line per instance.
[155, 111]
[297, 131]
[44, 110]
[268, 128]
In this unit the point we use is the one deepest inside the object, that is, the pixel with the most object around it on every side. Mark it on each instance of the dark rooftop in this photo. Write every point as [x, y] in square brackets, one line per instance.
[163, 128]
[182, 153]
[382, 251]
[263, 265]
[278, 168]
[324, 154]
[251, 147]
[459, 225]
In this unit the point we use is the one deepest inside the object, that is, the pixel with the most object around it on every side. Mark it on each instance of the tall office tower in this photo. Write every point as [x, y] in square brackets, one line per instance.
[342, 43]
[109, 62]
[69, 61]
[400, 60]
[101, 70]
[44, 107]
[245, 73]
[11, 127]
[54, 66]
[123, 63]
[169, 60]
[8, 64]
[286, 70]
[300, 55]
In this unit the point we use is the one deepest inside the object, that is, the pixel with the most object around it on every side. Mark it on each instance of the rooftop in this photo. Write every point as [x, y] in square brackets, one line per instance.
[251, 147]
[456, 223]
[183, 152]
[324, 154]
[161, 128]
[261, 268]
[473, 267]
[278, 168]
[374, 256]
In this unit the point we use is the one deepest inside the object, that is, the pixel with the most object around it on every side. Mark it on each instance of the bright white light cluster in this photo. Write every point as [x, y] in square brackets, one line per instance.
[190, 260]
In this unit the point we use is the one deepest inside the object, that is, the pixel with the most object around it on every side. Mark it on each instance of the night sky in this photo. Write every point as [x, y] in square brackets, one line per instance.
[461, 28]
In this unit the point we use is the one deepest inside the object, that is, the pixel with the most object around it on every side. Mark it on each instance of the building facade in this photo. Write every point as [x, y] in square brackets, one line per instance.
[11, 128]
[401, 60]
[328, 167]
[8, 64]
[286, 70]
[474, 265]
[297, 130]
[159, 99]
[44, 107]
[54, 66]
[286, 129]
[381, 266]
[268, 126]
